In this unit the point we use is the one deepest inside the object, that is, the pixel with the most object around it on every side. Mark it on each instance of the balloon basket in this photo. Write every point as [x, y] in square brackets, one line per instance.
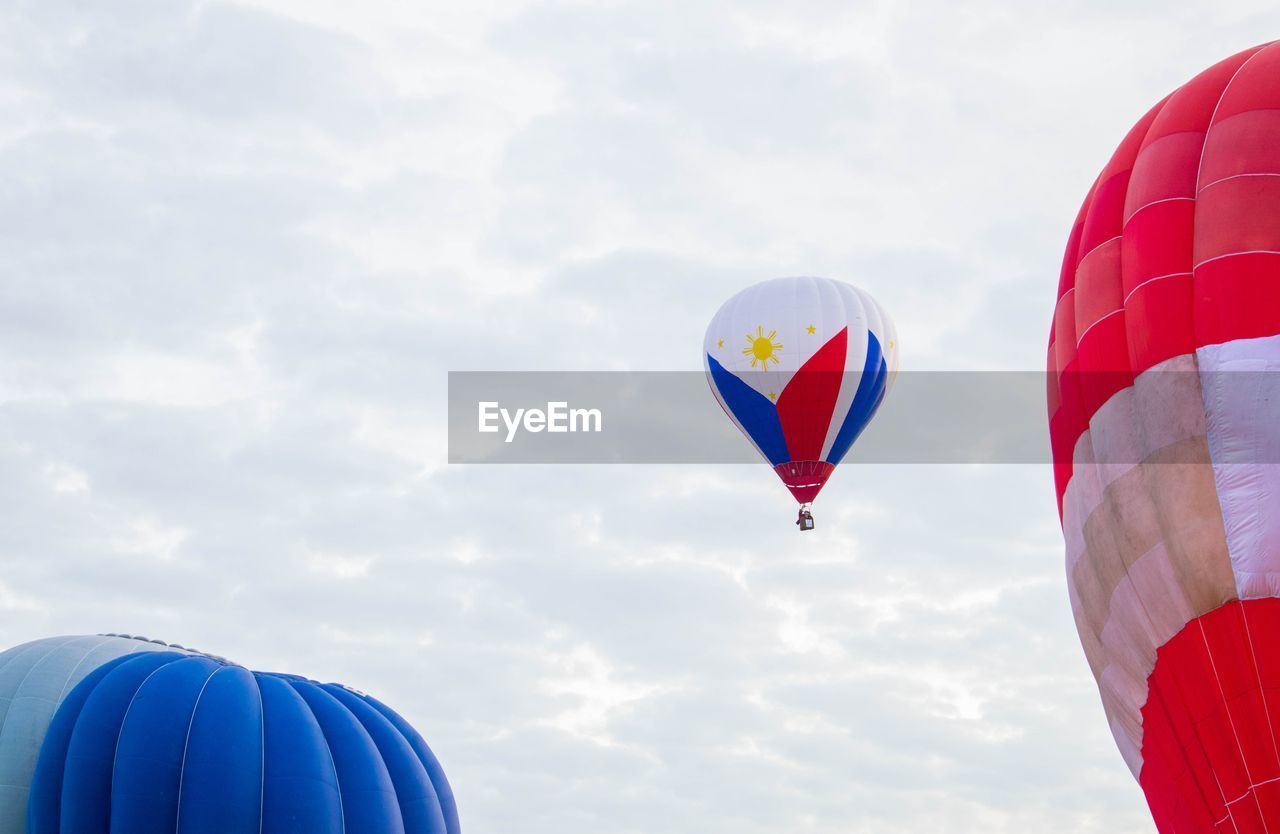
[805, 520]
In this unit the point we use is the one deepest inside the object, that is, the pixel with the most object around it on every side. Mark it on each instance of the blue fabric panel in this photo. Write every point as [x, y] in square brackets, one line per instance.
[153, 743]
[369, 804]
[44, 807]
[300, 787]
[86, 782]
[444, 793]
[756, 412]
[419, 806]
[222, 774]
[871, 389]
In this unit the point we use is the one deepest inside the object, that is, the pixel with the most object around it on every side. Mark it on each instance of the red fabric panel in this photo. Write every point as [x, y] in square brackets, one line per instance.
[1237, 215]
[806, 405]
[1192, 105]
[1233, 653]
[1102, 347]
[1253, 87]
[1235, 292]
[1209, 746]
[1160, 324]
[1165, 169]
[1098, 293]
[805, 478]
[1106, 215]
[1157, 242]
[1158, 159]
[1243, 144]
[1104, 351]
[1069, 422]
[1268, 799]
[1237, 298]
[1065, 424]
[1160, 223]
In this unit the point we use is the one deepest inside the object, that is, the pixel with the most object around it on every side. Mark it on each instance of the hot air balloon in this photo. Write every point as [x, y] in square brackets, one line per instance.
[122, 735]
[1164, 413]
[800, 365]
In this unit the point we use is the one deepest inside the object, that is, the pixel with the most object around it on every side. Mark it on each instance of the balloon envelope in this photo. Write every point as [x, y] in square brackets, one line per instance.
[34, 679]
[1163, 398]
[801, 365]
[152, 738]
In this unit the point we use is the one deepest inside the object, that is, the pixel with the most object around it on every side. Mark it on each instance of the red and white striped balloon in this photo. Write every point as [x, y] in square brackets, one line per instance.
[1165, 452]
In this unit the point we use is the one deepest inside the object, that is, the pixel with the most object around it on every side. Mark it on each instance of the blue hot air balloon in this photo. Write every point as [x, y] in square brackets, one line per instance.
[121, 735]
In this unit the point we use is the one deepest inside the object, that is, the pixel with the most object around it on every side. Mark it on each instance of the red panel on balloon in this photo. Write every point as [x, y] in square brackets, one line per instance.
[1105, 352]
[1243, 144]
[1157, 242]
[805, 478]
[1165, 169]
[1160, 321]
[1211, 753]
[806, 405]
[1237, 215]
[1253, 87]
[1238, 298]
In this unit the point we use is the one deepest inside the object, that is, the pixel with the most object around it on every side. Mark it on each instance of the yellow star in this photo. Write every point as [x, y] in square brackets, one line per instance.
[772, 396]
[720, 343]
[812, 329]
[891, 343]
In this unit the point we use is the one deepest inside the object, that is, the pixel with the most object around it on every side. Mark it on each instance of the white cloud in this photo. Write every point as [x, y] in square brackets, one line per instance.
[244, 243]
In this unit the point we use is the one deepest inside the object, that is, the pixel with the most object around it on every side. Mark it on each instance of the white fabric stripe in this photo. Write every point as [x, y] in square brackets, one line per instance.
[880, 325]
[1148, 604]
[855, 306]
[1239, 379]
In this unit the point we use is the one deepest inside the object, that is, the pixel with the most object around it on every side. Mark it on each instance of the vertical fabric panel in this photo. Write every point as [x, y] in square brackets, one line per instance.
[45, 805]
[147, 777]
[222, 768]
[444, 793]
[419, 805]
[369, 801]
[300, 784]
[86, 783]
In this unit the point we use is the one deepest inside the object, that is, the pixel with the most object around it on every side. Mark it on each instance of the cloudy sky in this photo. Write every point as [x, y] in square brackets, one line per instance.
[241, 244]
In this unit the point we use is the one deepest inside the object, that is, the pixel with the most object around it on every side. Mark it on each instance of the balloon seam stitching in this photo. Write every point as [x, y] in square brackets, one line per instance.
[186, 744]
[1146, 206]
[1150, 280]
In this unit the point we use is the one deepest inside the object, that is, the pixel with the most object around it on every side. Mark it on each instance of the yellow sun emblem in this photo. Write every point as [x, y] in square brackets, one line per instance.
[762, 348]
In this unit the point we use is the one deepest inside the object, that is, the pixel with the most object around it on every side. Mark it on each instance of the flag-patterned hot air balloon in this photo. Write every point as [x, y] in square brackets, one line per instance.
[800, 365]
[1164, 412]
